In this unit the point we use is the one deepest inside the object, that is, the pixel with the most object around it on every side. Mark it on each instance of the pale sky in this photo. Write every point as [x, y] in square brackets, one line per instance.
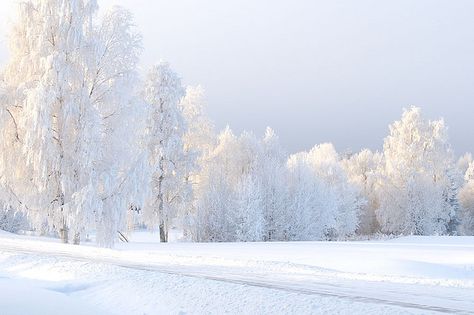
[315, 71]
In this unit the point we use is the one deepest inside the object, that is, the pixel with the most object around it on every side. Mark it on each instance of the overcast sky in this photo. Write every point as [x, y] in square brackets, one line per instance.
[315, 71]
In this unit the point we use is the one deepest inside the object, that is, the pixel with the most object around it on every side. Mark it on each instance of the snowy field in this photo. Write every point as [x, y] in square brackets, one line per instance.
[409, 275]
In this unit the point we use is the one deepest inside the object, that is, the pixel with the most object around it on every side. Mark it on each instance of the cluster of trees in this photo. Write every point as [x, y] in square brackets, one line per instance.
[249, 190]
[89, 146]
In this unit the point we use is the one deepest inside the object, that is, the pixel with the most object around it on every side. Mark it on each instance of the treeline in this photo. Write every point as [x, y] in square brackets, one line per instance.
[250, 190]
[88, 146]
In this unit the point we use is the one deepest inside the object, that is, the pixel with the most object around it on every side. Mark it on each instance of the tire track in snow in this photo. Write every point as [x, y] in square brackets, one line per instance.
[316, 289]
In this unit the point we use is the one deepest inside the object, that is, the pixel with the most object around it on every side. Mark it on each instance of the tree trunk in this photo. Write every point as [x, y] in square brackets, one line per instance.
[163, 233]
[64, 233]
[64, 229]
[163, 226]
[77, 239]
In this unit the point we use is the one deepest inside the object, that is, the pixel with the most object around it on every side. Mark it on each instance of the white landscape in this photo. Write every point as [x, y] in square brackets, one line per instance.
[120, 195]
[409, 275]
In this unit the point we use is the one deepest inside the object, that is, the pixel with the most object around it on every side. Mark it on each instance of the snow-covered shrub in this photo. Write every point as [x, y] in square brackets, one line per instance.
[12, 220]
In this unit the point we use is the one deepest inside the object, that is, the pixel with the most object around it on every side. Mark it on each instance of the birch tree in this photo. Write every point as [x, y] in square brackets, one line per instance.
[58, 122]
[417, 191]
[112, 87]
[66, 79]
[273, 177]
[198, 141]
[167, 160]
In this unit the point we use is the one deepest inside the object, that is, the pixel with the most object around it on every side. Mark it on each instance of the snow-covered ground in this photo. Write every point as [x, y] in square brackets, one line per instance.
[416, 275]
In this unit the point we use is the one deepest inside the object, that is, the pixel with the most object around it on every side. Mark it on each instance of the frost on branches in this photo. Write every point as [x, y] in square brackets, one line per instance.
[416, 193]
[324, 204]
[66, 79]
[89, 149]
[363, 171]
[166, 153]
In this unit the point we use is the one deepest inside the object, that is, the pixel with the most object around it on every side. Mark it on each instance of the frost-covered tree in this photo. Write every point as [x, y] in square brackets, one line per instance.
[66, 80]
[229, 198]
[466, 198]
[168, 162]
[59, 125]
[215, 192]
[199, 141]
[248, 210]
[248, 213]
[112, 87]
[11, 219]
[363, 170]
[273, 177]
[10, 151]
[417, 193]
[311, 204]
[464, 162]
[327, 165]
[199, 137]
[323, 202]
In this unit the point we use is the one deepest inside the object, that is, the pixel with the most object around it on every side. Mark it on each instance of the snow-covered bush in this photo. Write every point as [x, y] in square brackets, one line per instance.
[12, 220]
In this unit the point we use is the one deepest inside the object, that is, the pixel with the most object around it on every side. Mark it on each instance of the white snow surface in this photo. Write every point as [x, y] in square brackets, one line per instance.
[414, 275]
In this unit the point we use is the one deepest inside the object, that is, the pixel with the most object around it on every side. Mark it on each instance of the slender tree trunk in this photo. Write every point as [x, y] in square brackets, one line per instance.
[77, 239]
[63, 230]
[163, 234]
[64, 233]
[163, 227]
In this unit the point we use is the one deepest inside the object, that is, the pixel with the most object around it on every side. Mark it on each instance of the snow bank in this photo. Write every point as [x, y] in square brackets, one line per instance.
[21, 297]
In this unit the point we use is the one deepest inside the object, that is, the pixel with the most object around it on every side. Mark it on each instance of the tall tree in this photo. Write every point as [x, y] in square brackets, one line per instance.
[66, 79]
[416, 194]
[112, 88]
[167, 158]
[199, 141]
[273, 177]
[311, 204]
[59, 124]
[215, 192]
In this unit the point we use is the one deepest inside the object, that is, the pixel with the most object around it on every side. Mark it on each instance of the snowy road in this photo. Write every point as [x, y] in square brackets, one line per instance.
[421, 276]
